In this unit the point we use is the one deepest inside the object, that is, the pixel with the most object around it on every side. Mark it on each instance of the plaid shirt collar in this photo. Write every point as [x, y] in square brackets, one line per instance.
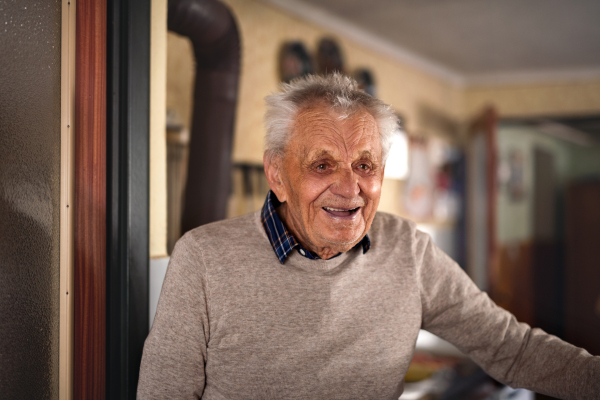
[281, 239]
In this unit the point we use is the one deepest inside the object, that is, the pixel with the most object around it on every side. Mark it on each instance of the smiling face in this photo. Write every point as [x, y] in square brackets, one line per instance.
[329, 179]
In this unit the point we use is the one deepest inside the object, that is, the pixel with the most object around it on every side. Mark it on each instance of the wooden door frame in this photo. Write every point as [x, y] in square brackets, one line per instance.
[89, 245]
[111, 189]
[486, 124]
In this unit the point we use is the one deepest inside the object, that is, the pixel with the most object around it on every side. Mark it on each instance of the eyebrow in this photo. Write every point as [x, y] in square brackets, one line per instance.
[322, 153]
[367, 154]
[318, 154]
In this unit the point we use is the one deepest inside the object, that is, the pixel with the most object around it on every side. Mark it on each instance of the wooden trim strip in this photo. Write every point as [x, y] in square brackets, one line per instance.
[89, 375]
[490, 127]
[485, 125]
[65, 387]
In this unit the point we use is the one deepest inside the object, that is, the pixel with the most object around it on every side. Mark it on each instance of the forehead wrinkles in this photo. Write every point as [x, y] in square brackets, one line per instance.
[346, 135]
[360, 128]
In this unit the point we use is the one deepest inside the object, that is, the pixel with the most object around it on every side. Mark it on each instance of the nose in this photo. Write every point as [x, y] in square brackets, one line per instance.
[346, 184]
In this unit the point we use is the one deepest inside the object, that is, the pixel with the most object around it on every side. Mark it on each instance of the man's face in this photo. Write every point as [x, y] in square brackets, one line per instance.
[330, 179]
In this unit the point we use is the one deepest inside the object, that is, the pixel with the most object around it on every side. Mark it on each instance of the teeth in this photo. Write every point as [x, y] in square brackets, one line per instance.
[337, 209]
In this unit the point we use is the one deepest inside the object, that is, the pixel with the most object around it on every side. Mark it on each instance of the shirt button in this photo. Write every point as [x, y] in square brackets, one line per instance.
[302, 252]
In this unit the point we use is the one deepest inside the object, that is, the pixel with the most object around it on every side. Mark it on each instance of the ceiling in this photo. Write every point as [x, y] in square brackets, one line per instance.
[471, 41]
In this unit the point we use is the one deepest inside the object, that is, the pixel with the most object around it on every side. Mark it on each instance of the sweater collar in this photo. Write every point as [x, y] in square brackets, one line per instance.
[282, 240]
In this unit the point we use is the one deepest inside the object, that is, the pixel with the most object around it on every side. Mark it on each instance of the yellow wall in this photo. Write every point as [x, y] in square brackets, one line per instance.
[542, 99]
[180, 76]
[158, 139]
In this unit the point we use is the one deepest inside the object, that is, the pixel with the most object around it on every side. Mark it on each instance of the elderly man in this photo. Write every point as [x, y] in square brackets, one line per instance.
[318, 296]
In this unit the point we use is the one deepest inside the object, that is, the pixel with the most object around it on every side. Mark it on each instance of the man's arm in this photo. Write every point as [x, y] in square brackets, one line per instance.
[511, 352]
[175, 351]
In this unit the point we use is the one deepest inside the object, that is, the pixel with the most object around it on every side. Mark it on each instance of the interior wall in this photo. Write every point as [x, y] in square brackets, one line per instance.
[535, 99]
[158, 137]
[181, 71]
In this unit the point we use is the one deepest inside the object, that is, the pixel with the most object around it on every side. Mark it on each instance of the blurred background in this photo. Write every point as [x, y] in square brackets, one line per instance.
[497, 156]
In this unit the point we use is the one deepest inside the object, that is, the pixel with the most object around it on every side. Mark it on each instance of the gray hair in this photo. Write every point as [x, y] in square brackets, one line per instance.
[339, 92]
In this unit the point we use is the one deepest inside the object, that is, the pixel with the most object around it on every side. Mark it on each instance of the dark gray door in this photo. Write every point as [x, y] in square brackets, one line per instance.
[546, 244]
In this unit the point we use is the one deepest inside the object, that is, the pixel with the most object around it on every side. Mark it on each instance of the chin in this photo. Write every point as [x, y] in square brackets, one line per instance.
[343, 243]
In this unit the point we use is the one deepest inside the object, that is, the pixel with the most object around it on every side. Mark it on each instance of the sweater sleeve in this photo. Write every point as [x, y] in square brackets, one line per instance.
[511, 352]
[174, 355]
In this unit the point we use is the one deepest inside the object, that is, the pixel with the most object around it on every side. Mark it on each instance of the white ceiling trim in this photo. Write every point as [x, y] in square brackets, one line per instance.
[351, 31]
[374, 42]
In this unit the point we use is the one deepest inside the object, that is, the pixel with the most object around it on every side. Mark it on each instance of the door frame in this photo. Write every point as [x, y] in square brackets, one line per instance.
[111, 196]
[128, 210]
[89, 236]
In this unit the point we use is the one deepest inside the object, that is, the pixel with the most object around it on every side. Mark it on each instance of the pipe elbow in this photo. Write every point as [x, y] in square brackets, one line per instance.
[211, 27]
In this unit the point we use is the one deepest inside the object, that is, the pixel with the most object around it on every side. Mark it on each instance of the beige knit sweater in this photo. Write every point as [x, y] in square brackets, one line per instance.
[234, 323]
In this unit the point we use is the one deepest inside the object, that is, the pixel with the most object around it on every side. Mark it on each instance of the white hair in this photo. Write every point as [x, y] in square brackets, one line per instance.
[338, 92]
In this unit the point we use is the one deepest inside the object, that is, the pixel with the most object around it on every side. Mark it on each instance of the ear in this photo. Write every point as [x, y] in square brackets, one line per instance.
[273, 172]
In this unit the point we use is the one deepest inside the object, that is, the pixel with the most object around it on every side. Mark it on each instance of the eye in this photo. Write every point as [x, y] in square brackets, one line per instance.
[364, 167]
[322, 167]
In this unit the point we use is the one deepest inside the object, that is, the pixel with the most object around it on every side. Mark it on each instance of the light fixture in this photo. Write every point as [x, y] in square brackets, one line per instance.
[397, 161]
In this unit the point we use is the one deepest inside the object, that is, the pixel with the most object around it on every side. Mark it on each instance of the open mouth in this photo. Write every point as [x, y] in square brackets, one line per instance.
[341, 212]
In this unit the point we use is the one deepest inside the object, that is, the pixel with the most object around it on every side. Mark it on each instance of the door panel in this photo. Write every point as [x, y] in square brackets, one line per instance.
[30, 112]
[582, 300]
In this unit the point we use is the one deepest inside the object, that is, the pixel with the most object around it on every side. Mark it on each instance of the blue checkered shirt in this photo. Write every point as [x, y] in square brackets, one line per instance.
[281, 239]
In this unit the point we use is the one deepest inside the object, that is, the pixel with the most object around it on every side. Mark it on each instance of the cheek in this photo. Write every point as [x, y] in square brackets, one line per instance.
[313, 187]
[371, 187]
[305, 190]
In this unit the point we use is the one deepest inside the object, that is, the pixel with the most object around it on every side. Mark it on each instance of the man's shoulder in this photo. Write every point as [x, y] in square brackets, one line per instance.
[393, 230]
[225, 244]
[227, 231]
[389, 224]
